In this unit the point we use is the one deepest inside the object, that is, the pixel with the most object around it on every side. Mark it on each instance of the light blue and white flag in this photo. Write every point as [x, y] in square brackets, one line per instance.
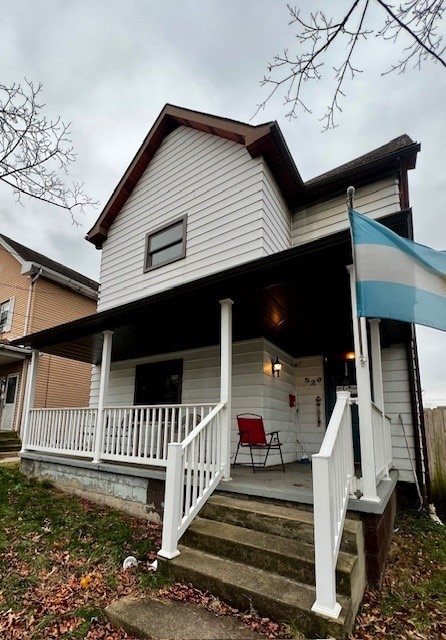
[395, 277]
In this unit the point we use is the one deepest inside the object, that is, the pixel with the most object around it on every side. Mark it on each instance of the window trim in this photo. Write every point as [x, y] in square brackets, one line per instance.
[8, 323]
[157, 231]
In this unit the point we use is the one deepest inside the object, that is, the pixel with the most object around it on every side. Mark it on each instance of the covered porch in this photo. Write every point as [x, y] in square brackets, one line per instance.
[299, 301]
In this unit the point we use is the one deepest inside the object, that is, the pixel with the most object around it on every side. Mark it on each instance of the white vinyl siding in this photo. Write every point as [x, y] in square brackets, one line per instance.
[276, 216]
[253, 388]
[309, 433]
[377, 200]
[397, 402]
[217, 185]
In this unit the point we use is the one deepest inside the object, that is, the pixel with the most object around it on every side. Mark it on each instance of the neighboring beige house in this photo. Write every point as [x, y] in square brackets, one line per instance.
[37, 293]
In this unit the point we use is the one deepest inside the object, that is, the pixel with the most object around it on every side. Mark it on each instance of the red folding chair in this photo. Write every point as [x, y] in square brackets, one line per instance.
[252, 434]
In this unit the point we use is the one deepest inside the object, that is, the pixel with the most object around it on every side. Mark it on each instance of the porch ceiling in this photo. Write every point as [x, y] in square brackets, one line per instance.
[299, 299]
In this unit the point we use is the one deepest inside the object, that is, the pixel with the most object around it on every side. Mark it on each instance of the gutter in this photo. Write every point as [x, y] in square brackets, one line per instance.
[35, 269]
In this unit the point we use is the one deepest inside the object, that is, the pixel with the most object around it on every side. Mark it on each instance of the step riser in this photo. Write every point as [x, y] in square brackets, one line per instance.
[278, 526]
[300, 569]
[4, 448]
[9, 435]
[245, 600]
[303, 572]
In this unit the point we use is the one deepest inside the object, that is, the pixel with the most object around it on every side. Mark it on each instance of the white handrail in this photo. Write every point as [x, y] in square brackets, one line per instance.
[194, 469]
[333, 470]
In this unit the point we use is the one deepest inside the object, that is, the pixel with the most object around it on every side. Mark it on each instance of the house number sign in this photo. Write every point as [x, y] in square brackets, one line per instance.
[312, 382]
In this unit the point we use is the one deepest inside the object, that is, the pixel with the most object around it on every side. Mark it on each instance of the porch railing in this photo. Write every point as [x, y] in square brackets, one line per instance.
[194, 469]
[142, 434]
[382, 438]
[333, 470]
[139, 435]
[68, 431]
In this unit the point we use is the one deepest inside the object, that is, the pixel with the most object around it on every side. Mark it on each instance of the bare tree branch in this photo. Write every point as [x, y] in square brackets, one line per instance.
[316, 36]
[34, 151]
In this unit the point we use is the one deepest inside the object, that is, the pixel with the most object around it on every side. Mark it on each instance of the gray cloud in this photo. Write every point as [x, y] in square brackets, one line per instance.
[110, 67]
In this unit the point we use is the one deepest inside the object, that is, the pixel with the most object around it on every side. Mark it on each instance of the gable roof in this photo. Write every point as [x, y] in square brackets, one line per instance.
[260, 140]
[33, 260]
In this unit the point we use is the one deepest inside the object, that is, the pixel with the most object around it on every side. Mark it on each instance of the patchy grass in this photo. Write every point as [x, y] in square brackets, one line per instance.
[61, 561]
[412, 602]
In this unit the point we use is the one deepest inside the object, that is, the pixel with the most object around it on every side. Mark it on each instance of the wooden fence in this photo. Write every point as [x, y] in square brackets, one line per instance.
[435, 421]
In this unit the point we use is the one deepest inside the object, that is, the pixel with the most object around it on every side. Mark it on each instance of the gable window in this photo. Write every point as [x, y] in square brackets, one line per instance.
[166, 245]
[6, 309]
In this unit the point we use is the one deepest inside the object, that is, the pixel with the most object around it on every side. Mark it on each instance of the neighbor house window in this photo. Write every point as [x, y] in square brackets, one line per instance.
[6, 309]
[166, 244]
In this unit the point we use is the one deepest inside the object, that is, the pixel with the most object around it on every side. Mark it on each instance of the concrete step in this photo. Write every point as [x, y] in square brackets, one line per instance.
[9, 435]
[9, 442]
[287, 557]
[281, 520]
[247, 587]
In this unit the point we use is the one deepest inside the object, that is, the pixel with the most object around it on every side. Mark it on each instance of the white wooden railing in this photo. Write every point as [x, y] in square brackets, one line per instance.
[142, 434]
[382, 439]
[333, 470]
[69, 431]
[139, 435]
[194, 469]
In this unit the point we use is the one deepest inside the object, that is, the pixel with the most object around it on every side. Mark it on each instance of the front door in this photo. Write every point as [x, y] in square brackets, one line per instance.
[340, 375]
[8, 402]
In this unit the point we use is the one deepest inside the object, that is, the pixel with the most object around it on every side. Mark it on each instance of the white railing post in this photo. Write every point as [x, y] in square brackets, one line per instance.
[172, 501]
[332, 473]
[31, 376]
[103, 390]
[325, 566]
[226, 383]
[364, 398]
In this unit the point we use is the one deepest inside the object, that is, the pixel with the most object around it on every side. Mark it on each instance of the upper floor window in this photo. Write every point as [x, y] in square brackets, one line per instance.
[6, 309]
[166, 245]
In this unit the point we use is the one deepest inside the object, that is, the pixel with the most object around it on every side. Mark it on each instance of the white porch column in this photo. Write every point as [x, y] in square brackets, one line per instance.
[364, 398]
[103, 390]
[226, 383]
[31, 376]
[378, 391]
[377, 374]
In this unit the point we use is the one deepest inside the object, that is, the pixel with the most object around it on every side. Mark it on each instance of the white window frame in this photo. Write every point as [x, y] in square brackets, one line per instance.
[148, 262]
[6, 311]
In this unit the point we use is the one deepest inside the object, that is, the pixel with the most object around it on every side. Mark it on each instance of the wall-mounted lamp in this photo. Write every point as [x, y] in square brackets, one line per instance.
[276, 367]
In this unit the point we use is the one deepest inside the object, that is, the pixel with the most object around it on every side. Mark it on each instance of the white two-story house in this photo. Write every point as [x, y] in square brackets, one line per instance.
[218, 262]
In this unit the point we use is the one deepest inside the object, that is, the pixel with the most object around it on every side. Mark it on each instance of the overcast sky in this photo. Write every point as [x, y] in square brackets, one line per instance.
[109, 68]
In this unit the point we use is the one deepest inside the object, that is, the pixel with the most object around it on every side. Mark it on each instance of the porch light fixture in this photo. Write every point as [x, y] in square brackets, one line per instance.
[276, 367]
[350, 355]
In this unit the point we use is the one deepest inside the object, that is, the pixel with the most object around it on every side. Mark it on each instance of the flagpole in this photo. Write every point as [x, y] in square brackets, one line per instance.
[363, 383]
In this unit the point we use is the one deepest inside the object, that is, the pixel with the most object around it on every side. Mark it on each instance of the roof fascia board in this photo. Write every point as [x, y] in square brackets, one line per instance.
[406, 157]
[12, 251]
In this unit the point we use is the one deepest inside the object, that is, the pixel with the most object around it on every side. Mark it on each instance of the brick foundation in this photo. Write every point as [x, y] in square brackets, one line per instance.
[378, 531]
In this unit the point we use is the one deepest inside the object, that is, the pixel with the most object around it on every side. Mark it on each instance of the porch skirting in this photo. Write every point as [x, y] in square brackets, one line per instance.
[137, 491]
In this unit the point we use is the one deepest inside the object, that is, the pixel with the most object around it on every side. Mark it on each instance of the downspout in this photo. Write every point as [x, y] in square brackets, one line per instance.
[25, 367]
[418, 417]
[33, 279]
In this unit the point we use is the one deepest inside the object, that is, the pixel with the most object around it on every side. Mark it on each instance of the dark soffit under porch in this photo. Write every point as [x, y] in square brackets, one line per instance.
[298, 298]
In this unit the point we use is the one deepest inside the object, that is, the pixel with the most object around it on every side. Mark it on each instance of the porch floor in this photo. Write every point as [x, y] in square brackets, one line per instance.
[295, 485]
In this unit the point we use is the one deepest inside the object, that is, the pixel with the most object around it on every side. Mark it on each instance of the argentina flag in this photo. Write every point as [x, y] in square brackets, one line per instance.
[395, 277]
